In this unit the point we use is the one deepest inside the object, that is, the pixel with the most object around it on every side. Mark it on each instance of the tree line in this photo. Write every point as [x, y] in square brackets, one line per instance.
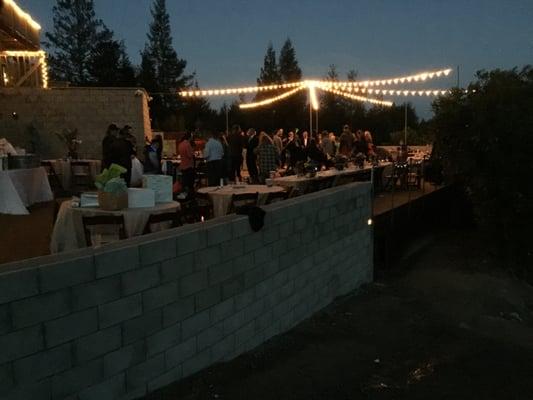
[84, 51]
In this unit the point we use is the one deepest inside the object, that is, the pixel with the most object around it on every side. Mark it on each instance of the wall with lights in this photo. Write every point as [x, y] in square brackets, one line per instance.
[124, 320]
[90, 110]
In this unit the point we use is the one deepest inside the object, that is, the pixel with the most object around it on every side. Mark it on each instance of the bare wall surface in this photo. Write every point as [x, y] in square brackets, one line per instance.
[90, 110]
[121, 321]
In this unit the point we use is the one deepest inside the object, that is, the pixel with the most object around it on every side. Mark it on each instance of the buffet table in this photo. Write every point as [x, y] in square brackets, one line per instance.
[221, 196]
[68, 231]
[20, 188]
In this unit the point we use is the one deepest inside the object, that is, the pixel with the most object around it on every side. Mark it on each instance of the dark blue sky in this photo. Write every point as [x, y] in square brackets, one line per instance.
[224, 41]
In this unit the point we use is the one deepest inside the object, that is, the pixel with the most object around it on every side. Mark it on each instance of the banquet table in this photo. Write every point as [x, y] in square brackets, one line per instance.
[68, 231]
[221, 196]
[63, 170]
[300, 181]
[20, 188]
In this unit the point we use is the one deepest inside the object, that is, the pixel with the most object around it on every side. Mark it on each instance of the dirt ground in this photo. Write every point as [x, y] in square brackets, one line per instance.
[445, 323]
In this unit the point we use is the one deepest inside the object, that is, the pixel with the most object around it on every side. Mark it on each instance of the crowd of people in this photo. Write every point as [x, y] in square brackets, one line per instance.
[223, 153]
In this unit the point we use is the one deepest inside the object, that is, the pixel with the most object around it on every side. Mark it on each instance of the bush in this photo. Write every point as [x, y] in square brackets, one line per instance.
[485, 140]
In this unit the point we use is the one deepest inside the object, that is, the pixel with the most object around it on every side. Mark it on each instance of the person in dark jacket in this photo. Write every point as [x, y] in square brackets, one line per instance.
[235, 147]
[152, 156]
[251, 156]
[121, 153]
[110, 137]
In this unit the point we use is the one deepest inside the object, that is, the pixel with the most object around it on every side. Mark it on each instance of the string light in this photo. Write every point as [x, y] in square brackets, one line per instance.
[359, 98]
[421, 77]
[33, 54]
[238, 90]
[272, 100]
[22, 14]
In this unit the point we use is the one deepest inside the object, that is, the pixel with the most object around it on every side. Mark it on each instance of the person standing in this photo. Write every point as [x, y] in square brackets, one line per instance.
[327, 146]
[236, 145]
[107, 143]
[213, 154]
[152, 156]
[251, 157]
[346, 142]
[121, 153]
[186, 167]
[268, 157]
[278, 141]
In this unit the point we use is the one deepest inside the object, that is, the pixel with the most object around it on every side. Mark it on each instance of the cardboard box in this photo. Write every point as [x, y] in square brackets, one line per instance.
[141, 198]
[161, 185]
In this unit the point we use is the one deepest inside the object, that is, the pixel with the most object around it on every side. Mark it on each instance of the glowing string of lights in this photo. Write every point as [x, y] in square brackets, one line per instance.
[359, 98]
[238, 90]
[35, 54]
[421, 77]
[22, 14]
[272, 100]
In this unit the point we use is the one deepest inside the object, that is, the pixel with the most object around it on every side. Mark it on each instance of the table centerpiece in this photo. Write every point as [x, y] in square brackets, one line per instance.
[112, 189]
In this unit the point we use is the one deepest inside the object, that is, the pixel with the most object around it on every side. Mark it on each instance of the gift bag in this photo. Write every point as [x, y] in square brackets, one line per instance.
[137, 171]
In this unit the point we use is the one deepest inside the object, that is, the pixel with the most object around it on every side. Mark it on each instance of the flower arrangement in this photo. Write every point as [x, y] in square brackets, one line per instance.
[112, 189]
[70, 138]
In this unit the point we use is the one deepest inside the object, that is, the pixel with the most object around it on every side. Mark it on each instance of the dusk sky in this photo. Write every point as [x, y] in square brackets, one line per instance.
[224, 41]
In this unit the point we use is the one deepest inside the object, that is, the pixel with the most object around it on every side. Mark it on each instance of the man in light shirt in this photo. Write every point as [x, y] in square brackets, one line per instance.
[213, 153]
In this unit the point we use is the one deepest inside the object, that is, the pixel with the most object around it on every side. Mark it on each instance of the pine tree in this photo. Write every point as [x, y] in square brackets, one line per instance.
[292, 112]
[109, 64]
[269, 72]
[76, 32]
[161, 70]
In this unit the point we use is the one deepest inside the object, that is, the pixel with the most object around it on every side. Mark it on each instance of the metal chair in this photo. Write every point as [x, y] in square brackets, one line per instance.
[53, 179]
[103, 221]
[204, 206]
[275, 197]
[174, 218]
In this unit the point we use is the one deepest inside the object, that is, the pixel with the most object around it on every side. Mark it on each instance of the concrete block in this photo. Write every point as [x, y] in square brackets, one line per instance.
[195, 324]
[66, 274]
[34, 391]
[157, 251]
[280, 279]
[279, 247]
[301, 223]
[124, 358]
[210, 336]
[207, 257]
[253, 242]
[234, 322]
[140, 327]
[140, 279]
[178, 311]
[110, 389]
[244, 299]
[208, 297]
[263, 288]
[253, 277]
[71, 327]
[218, 234]
[271, 267]
[191, 242]
[140, 374]
[240, 228]
[120, 310]
[18, 285]
[115, 262]
[163, 340]
[232, 287]
[243, 263]
[193, 283]
[270, 234]
[76, 379]
[197, 363]
[97, 344]
[6, 378]
[254, 310]
[232, 249]
[160, 296]
[176, 355]
[220, 272]
[263, 254]
[263, 321]
[220, 350]
[176, 268]
[164, 380]
[242, 335]
[5, 319]
[95, 293]
[222, 310]
[43, 364]
[36, 309]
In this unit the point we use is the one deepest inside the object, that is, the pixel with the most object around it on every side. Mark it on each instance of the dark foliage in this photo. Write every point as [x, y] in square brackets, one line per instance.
[485, 142]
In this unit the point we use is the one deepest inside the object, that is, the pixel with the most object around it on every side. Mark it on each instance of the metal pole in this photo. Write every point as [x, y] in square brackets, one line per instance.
[405, 127]
[227, 119]
[458, 77]
[310, 117]
[316, 125]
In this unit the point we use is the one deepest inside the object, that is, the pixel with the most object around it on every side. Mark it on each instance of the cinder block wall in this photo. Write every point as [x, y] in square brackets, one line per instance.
[90, 110]
[121, 321]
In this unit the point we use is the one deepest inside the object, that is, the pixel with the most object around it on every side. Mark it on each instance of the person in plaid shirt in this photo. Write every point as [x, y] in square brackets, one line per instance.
[268, 157]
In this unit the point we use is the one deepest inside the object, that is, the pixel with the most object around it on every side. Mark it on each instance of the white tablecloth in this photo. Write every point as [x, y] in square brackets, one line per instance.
[20, 188]
[221, 197]
[63, 170]
[296, 181]
[68, 230]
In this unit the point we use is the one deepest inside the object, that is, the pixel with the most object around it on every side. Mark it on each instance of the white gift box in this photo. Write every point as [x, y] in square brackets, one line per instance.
[140, 198]
[161, 185]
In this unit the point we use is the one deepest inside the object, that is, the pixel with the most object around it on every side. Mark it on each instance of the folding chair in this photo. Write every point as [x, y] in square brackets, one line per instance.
[104, 221]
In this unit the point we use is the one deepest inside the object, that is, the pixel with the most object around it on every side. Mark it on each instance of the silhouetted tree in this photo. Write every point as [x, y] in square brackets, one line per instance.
[292, 114]
[109, 64]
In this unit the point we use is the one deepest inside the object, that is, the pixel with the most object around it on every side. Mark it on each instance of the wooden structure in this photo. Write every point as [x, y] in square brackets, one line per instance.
[22, 62]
